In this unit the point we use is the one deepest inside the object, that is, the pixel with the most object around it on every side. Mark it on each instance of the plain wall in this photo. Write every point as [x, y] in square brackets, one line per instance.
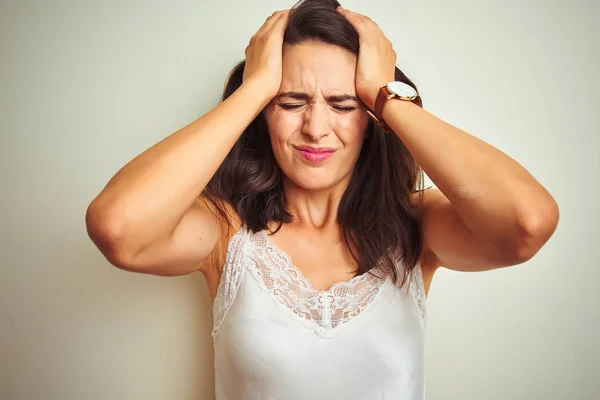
[86, 86]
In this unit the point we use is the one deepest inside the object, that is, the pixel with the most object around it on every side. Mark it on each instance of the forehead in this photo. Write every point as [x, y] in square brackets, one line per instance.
[312, 66]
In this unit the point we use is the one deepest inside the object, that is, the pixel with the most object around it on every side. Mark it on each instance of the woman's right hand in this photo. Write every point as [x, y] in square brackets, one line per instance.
[265, 52]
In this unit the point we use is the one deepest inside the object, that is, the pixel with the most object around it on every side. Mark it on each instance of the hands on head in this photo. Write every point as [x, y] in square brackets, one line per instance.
[375, 66]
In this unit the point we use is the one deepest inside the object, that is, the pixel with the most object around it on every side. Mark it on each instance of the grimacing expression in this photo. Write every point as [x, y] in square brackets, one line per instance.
[316, 123]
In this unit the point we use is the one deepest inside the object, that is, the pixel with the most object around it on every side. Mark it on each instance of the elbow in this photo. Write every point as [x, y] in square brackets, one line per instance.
[536, 229]
[106, 229]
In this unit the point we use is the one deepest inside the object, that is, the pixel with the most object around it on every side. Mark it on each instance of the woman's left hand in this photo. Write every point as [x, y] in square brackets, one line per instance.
[376, 57]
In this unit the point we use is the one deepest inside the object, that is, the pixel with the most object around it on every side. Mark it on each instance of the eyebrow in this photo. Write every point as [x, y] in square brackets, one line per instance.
[338, 98]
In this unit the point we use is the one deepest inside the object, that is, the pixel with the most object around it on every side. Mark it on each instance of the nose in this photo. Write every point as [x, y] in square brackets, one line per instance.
[317, 123]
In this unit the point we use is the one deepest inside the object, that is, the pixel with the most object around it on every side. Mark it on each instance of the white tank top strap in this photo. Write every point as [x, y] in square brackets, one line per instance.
[417, 288]
[230, 277]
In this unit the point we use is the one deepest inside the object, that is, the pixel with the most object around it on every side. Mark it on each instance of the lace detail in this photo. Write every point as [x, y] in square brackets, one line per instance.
[417, 288]
[230, 279]
[322, 311]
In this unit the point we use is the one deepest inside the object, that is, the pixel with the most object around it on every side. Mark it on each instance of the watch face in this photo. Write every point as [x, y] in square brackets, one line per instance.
[402, 89]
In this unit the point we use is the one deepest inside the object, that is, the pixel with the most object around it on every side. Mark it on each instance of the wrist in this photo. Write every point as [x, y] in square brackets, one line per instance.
[395, 109]
[393, 92]
[371, 92]
[371, 98]
[261, 91]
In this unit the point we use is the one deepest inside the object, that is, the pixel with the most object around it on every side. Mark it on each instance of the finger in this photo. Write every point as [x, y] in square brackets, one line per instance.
[347, 13]
[353, 17]
[265, 27]
[281, 22]
[272, 20]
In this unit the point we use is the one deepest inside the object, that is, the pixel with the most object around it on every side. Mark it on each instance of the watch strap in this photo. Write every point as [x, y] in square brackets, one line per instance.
[382, 97]
[377, 115]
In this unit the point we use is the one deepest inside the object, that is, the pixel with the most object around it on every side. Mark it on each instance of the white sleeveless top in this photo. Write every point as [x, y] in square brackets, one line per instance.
[276, 337]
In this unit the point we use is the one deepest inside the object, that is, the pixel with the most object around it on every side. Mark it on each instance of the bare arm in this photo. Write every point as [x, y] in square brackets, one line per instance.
[489, 212]
[150, 217]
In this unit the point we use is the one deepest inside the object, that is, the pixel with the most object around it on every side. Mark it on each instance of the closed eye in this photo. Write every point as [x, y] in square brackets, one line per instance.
[344, 108]
[294, 106]
[290, 106]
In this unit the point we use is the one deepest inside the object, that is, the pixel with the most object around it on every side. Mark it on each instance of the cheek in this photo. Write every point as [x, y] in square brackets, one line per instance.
[282, 126]
[352, 128]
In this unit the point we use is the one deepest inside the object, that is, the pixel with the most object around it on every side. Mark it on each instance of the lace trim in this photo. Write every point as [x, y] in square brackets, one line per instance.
[417, 288]
[230, 279]
[322, 311]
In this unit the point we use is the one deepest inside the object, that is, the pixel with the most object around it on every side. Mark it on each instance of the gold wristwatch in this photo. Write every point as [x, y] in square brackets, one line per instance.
[393, 90]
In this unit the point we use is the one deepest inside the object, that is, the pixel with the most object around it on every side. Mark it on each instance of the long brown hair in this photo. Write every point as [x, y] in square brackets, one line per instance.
[379, 222]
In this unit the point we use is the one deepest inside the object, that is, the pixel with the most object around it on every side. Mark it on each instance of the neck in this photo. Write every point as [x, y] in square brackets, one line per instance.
[314, 208]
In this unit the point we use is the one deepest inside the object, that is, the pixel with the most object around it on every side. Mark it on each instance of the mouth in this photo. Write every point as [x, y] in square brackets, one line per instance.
[315, 154]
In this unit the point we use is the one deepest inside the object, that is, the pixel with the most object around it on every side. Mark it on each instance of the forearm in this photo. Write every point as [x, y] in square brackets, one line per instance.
[493, 194]
[150, 194]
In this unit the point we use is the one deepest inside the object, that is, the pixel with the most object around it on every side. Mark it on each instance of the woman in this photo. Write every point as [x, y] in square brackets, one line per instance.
[298, 197]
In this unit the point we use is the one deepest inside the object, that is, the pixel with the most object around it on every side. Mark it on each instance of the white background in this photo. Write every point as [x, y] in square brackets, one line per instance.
[86, 86]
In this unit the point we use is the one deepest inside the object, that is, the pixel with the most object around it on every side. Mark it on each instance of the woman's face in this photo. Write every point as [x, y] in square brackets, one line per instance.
[316, 122]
